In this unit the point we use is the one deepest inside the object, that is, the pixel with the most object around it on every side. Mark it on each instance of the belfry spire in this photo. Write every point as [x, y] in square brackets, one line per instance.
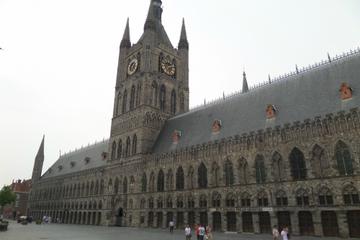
[125, 42]
[39, 161]
[154, 15]
[183, 43]
[245, 87]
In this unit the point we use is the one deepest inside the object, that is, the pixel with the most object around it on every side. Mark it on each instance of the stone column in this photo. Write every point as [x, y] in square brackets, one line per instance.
[223, 221]
[255, 216]
[273, 219]
[210, 218]
[294, 223]
[238, 222]
[197, 217]
[317, 223]
[185, 218]
[343, 224]
[164, 220]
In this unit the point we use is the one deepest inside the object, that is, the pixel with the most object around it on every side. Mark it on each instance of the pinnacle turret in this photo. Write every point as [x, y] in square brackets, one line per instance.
[125, 42]
[183, 43]
[245, 87]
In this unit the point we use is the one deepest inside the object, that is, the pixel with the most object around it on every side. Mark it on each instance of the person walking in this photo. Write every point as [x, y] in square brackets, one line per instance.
[209, 235]
[171, 225]
[197, 231]
[285, 233]
[188, 232]
[202, 232]
[275, 233]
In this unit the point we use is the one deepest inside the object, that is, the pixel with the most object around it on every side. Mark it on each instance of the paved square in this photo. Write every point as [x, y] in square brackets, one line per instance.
[83, 232]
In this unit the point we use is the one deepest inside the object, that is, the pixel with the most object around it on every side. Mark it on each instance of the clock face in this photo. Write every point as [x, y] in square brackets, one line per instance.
[133, 66]
[168, 66]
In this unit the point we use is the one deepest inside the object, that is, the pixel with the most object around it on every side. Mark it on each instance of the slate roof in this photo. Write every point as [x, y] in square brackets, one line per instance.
[77, 158]
[299, 97]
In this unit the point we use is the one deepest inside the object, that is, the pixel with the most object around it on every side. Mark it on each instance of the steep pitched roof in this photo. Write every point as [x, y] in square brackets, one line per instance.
[302, 96]
[84, 159]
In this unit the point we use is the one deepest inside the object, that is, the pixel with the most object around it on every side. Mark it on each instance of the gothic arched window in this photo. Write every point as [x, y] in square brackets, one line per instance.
[202, 176]
[260, 169]
[127, 148]
[124, 102]
[154, 94]
[277, 165]
[134, 145]
[245, 200]
[113, 151]
[216, 199]
[203, 201]
[325, 197]
[169, 180]
[318, 161]
[152, 182]
[343, 159]
[169, 202]
[297, 164]
[162, 98]
[119, 149]
[125, 185]
[143, 183]
[132, 98]
[191, 178]
[116, 186]
[160, 181]
[302, 197]
[180, 179]
[243, 171]
[281, 198]
[351, 196]
[263, 200]
[215, 176]
[138, 94]
[173, 102]
[230, 200]
[117, 107]
[229, 173]
[182, 102]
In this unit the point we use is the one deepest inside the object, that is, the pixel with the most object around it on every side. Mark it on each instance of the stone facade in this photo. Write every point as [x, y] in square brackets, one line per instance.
[302, 171]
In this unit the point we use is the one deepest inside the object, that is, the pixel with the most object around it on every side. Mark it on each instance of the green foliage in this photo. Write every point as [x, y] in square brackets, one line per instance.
[7, 196]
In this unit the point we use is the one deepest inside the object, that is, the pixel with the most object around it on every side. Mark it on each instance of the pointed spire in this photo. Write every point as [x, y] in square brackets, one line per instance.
[40, 153]
[154, 15]
[125, 42]
[39, 160]
[183, 43]
[245, 87]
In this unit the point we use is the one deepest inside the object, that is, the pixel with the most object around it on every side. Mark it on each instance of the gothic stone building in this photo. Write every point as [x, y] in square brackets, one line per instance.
[285, 153]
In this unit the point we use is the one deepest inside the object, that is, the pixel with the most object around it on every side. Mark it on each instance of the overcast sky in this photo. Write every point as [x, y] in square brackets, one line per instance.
[59, 60]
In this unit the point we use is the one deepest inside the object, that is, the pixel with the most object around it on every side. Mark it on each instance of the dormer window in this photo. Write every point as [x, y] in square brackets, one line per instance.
[60, 167]
[87, 160]
[345, 91]
[176, 136]
[216, 126]
[270, 111]
[72, 164]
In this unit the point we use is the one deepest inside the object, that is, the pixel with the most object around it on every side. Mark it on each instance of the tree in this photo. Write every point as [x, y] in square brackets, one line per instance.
[7, 196]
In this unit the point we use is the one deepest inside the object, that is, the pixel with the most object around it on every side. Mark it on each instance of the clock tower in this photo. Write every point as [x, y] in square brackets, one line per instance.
[152, 85]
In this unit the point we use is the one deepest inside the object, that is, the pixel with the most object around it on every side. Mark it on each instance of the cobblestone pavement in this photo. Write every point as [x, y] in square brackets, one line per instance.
[82, 232]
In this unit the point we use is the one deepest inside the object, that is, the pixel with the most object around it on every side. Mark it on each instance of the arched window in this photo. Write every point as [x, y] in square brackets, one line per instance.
[132, 98]
[154, 94]
[124, 102]
[151, 202]
[143, 183]
[325, 197]
[216, 199]
[260, 169]
[202, 176]
[113, 151]
[116, 186]
[229, 173]
[297, 164]
[162, 98]
[245, 200]
[302, 197]
[230, 200]
[169, 202]
[351, 195]
[263, 200]
[138, 94]
[190, 178]
[173, 102]
[191, 201]
[203, 201]
[117, 107]
[215, 176]
[318, 161]
[128, 145]
[152, 182]
[125, 185]
[119, 150]
[142, 203]
[134, 145]
[159, 203]
[343, 159]
[182, 102]
[243, 171]
[180, 179]
[169, 180]
[277, 165]
[160, 181]
[281, 198]
[179, 202]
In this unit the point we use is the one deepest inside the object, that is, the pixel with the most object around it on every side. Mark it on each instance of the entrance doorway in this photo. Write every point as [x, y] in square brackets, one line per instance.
[284, 220]
[231, 221]
[353, 219]
[329, 224]
[169, 217]
[119, 217]
[216, 221]
[160, 219]
[264, 222]
[203, 218]
[191, 219]
[306, 225]
[247, 222]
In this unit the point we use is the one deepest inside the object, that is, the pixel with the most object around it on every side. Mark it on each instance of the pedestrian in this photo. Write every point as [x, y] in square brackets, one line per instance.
[171, 225]
[202, 232]
[285, 233]
[188, 232]
[275, 233]
[209, 235]
[197, 231]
